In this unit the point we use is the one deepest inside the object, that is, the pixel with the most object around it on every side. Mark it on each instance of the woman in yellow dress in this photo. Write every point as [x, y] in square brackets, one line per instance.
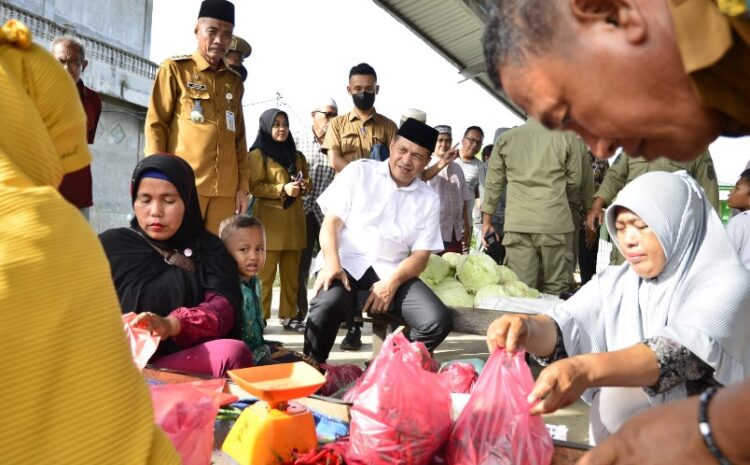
[279, 176]
[79, 396]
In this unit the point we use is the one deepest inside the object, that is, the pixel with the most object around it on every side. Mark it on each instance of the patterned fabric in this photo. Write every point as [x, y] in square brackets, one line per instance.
[600, 168]
[321, 174]
[252, 323]
[678, 365]
[558, 353]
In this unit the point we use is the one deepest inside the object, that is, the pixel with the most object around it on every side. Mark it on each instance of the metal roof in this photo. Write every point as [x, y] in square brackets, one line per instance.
[453, 28]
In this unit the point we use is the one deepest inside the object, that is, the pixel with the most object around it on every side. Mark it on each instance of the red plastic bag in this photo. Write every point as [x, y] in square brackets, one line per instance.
[186, 413]
[462, 377]
[402, 412]
[142, 343]
[495, 427]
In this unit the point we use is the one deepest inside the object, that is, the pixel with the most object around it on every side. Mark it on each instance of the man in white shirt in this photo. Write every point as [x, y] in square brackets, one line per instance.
[474, 172]
[381, 224]
[447, 178]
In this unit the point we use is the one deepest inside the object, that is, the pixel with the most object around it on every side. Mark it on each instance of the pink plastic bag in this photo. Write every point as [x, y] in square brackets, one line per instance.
[402, 412]
[462, 377]
[186, 413]
[495, 427]
[142, 343]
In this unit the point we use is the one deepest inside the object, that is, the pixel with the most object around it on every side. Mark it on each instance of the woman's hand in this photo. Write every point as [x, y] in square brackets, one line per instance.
[159, 326]
[510, 332]
[292, 189]
[327, 276]
[560, 384]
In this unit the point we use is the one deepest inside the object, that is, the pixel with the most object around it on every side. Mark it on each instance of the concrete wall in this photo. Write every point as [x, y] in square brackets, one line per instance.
[117, 148]
[125, 24]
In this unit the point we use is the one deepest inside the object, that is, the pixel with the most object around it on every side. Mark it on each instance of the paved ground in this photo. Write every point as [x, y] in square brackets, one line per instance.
[456, 346]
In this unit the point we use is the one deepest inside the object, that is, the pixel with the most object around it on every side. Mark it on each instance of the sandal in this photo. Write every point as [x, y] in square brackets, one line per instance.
[294, 324]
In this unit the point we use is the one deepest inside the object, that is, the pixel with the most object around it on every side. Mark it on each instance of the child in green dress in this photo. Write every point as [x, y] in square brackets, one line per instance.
[245, 239]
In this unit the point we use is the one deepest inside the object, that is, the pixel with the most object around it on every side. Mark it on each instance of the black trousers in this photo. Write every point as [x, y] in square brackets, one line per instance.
[313, 232]
[586, 258]
[426, 315]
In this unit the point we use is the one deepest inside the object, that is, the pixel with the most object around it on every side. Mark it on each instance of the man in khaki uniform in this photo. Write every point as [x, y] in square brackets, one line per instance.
[195, 112]
[580, 200]
[362, 131]
[663, 77]
[654, 55]
[542, 170]
[239, 51]
[625, 169]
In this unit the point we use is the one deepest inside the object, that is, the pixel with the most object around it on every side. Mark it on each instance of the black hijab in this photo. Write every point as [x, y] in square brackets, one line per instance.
[145, 281]
[282, 153]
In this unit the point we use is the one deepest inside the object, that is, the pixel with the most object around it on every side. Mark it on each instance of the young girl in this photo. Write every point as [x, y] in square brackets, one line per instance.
[245, 239]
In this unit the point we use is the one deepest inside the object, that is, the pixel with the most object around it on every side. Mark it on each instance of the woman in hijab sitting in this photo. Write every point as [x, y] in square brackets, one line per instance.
[278, 178]
[177, 276]
[670, 322]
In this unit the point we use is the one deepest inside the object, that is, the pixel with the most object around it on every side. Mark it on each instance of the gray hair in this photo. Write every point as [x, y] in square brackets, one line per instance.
[517, 28]
[70, 42]
[233, 223]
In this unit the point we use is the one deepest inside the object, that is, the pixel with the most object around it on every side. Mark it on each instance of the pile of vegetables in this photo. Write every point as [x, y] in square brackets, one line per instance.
[467, 280]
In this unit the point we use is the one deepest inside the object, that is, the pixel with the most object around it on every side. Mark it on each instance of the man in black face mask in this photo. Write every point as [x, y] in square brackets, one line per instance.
[236, 54]
[361, 133]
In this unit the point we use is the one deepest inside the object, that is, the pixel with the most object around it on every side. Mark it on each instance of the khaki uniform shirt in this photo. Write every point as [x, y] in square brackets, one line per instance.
[285, 228]
[542, 170]
[354, 138]
[215, 150]
[626, 168]
[713, 37]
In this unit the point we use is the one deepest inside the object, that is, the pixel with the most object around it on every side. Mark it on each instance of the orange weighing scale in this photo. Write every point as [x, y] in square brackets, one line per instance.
[267, 432]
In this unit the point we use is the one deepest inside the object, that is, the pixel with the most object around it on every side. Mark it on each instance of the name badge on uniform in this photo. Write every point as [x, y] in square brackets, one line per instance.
[196, 86]
[230, 121]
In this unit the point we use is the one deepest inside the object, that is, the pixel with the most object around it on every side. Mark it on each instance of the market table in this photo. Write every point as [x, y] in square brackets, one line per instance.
[465, 320]
[566, 453]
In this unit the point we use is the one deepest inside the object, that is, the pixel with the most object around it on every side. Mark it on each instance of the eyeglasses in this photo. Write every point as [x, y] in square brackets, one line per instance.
[328, 114]
[474, 141]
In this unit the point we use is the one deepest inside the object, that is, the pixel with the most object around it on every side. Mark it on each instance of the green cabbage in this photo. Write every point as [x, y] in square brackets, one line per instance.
[533, 293]
[437, 270]
[449, 284]
[517, 289]
[493, 290]
[454, 259]
[506, 275]
[478, 271]
[454, 296]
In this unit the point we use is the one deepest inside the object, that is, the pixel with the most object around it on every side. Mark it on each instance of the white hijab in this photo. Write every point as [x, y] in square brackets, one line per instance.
[700, 300]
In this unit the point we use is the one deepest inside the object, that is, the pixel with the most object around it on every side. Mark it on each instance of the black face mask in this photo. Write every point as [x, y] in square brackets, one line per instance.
[240, 69]
[364, 100]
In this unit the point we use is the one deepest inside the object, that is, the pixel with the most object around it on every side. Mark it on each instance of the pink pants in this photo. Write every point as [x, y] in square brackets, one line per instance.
[210, 358]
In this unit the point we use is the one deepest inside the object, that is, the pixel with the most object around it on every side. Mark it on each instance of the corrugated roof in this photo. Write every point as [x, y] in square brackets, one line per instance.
[453, 28]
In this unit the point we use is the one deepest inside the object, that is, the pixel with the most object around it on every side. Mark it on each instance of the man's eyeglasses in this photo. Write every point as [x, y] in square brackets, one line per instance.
[474, 141]
[328, 114]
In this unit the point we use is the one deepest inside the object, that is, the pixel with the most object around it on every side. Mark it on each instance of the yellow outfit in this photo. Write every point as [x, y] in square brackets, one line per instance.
[354, 138]
[209, 136]
[714, 42]
[286, 233]
[61, 317]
